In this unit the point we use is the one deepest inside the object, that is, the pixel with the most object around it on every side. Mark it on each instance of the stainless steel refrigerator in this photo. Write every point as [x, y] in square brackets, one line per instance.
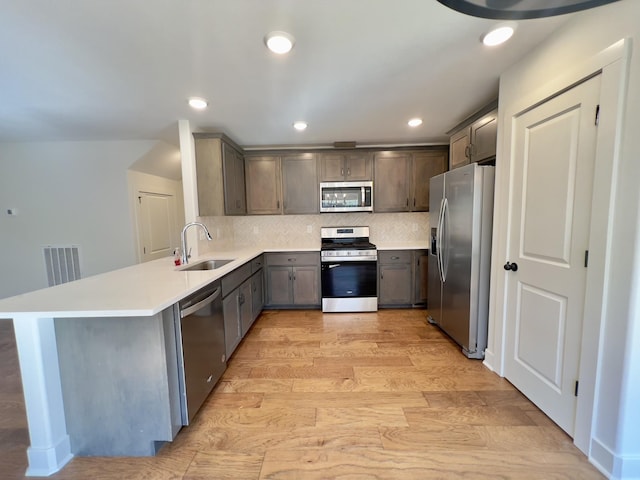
[460, 218]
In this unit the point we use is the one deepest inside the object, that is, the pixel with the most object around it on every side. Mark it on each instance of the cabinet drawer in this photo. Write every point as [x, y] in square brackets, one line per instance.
[394, 256]
[231, 281]
[293, 258]
[257, 263]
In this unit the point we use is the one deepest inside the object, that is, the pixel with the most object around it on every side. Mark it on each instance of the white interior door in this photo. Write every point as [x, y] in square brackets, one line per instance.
[553, 157]
[156, 224]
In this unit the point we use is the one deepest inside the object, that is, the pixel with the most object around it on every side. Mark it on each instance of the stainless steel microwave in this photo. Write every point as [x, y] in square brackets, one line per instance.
[346, 196]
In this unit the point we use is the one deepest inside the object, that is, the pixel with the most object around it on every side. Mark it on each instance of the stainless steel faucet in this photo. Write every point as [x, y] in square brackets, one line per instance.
[185, 251]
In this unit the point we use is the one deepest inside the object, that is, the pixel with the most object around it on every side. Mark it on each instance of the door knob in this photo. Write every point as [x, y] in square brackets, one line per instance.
[511, 266]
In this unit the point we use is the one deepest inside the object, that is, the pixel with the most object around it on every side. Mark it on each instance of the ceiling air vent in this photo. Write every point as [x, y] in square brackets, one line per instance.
[62, 263]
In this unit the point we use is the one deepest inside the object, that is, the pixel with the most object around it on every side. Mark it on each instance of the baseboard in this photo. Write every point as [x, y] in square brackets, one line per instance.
[615, 467]
[489, 360]
[47, 461]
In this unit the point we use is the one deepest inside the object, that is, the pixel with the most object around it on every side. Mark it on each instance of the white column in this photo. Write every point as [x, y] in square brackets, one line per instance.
[50, 449]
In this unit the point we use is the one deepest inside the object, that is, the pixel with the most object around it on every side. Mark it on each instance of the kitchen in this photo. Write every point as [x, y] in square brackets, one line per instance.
[617, 367]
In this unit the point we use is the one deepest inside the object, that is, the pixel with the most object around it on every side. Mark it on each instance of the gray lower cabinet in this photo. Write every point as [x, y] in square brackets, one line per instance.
[420, 277]
[395, 285]
[237, 306]
[293, 279]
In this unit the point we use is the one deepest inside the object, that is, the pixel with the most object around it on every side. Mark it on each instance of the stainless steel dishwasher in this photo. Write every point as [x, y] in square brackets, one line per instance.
[200, 345]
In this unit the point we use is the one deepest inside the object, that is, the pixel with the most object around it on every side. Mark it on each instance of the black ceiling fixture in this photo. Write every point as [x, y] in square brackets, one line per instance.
[520, 9]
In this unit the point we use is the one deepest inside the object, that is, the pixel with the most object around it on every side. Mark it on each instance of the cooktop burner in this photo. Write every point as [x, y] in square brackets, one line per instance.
[357, 244]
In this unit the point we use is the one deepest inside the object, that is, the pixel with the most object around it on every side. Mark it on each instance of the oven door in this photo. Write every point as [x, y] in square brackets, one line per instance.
[349, 286]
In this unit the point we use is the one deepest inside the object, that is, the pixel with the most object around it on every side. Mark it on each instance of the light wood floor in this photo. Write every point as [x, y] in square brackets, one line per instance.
[321, 396]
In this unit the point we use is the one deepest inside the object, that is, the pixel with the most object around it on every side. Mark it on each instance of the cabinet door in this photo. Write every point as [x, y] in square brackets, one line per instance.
[391, 184]
[332, 167]
[306, 285]
[425, 165]
[300, 184]
[395, 285]
[263, 185]
[232, 325]
[358, 166]
[459, 146]
[421, 276]
[279, 289]
[245, 307]
[234, 181]
[257, 294]
[209, 176]
[483, 137]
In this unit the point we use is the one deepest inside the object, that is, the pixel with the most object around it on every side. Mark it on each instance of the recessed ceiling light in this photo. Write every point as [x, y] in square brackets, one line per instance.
[279, 42]
[198, 103]
[415, 122]
[300, 126]
[497, 36]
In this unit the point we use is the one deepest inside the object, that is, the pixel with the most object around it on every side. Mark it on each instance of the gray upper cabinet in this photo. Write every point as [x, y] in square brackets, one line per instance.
[475, 139]
[346, 166]
[391, 184]
[220, 176]
[424, 166]
[402, 179]
[459, 153]
[235, 202]
[300, 184]
[282, 184]
[264, 195]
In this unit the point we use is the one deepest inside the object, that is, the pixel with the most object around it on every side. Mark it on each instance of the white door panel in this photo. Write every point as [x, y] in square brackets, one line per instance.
[156, 223]
[553, 156]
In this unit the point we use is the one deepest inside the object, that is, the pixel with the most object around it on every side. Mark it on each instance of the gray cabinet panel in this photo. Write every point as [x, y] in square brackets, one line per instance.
[300, 184]
[391, 184]
[421, 276]
[245, 307]
[395, 284]
[306, 286]
[424, 166]
[346, 166]
[279, 291]
[263, 185]
[257, 294]
[234, 181]
[232, 322]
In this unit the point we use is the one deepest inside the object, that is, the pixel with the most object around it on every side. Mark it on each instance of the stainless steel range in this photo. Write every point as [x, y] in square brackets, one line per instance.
[349, 270]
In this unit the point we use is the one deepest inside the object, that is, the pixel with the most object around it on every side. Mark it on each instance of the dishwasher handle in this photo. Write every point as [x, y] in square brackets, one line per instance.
[203, 303]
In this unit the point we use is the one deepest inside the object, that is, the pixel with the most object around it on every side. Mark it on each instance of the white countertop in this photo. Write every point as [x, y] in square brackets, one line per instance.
[139, 290]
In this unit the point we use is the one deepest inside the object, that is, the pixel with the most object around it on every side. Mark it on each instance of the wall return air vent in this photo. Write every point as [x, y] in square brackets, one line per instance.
[62, 263]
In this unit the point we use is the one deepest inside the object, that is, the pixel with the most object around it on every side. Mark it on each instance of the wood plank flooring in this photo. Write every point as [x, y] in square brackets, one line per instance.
[320, 396]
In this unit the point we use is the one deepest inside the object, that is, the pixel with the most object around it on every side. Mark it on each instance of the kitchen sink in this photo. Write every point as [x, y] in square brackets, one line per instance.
[206, 265]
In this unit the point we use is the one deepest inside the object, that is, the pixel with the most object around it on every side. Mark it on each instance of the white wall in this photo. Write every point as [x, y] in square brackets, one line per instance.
[65, 193]
[615, 437]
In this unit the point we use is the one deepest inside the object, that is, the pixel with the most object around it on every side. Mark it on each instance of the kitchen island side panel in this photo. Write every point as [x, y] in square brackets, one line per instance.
[116, 384]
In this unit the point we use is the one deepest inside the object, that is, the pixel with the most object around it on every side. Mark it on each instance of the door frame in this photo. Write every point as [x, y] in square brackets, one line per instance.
[613, 64]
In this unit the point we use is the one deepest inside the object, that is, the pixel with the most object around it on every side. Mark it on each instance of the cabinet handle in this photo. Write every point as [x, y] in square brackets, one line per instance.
[342, 171]
[407, 201]
[381, 274]
[395, 258]
[414, 201]
[294, 276]
[348, 172]
[291, 259]
[467, 152]
[277, 203]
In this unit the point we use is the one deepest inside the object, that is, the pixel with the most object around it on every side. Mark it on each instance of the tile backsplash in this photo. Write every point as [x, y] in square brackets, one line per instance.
[303, 231]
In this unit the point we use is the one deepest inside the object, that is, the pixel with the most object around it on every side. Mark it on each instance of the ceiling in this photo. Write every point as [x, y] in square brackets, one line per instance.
[359, 70]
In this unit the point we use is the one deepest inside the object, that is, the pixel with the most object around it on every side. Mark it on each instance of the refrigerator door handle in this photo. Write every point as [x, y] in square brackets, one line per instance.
[444, 244]
[439, 240]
